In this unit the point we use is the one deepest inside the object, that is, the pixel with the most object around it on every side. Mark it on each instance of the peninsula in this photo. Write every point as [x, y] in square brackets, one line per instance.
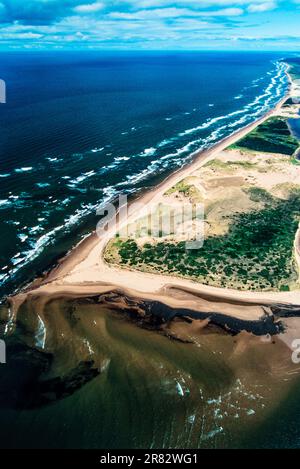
[248, 268]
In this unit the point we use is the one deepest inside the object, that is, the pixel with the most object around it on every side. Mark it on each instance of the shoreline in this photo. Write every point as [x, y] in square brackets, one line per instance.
[200, 157]
[68, 278]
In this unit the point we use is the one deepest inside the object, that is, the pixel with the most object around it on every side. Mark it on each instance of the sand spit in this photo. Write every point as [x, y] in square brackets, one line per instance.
[83, 273]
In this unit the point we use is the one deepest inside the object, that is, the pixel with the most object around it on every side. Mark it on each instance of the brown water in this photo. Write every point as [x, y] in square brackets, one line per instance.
[152, 392]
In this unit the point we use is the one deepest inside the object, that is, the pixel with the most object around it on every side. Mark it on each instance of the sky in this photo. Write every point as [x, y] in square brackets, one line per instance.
[150, 24]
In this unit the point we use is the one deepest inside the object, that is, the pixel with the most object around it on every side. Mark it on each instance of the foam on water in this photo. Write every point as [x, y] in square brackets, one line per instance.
[41, 185]
[4, 203]
[97, 150]
[24, 170]
[165, 157]
[41, 334]
[148, 151]
[122, 158]
[258, 107]
[81, 178]
[264, 101]
[22, 237]
[54, 160]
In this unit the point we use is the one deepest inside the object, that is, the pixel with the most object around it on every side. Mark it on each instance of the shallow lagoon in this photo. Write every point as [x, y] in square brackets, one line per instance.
[151, 392]
[295, 127]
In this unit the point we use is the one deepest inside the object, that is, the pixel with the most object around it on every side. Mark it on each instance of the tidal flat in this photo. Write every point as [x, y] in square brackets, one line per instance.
[105, 380]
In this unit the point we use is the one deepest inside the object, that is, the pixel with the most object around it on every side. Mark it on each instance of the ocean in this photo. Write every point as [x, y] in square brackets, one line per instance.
[80, 128]
[77, 130]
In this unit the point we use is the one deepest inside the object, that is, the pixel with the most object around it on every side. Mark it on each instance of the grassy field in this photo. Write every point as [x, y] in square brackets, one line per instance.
[255, 254]
[273, 136]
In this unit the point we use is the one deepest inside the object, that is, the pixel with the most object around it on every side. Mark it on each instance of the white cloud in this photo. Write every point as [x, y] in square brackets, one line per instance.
[30, 36]
[174, 13]
[155, 13]
[159, 24]
[89, 8]
[223, 12]
[18, 35]
[261, 7]
[194, 3]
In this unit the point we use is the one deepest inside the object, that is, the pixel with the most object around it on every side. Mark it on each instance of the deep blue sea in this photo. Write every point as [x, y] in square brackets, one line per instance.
[79, 128]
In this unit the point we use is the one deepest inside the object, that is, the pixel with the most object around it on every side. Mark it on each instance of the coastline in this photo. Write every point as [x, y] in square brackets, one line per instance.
[83, 272]
[64, 265]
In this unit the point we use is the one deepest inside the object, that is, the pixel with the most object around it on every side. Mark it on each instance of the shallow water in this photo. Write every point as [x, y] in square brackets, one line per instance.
[152, 392]
[295, 127]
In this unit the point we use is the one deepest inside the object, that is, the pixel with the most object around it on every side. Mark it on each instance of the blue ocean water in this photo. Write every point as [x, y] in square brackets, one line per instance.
[79, 128]
[295, 127]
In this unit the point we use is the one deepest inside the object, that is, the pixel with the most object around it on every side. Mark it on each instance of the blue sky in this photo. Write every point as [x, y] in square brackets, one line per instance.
[150, 24]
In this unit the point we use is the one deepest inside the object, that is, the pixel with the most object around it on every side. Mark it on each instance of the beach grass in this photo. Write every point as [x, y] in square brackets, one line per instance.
[187, 189]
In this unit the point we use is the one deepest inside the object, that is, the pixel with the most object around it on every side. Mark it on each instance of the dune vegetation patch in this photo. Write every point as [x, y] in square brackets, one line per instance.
[217, 164]
[187, 188]
[255, 254]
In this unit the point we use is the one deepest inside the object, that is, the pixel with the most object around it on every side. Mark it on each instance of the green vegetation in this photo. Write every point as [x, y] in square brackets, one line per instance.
[219, 164]
[273, 136]
[180, 187]
[258, 194]
[255, 254]
[216, 164]
[188, 190]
